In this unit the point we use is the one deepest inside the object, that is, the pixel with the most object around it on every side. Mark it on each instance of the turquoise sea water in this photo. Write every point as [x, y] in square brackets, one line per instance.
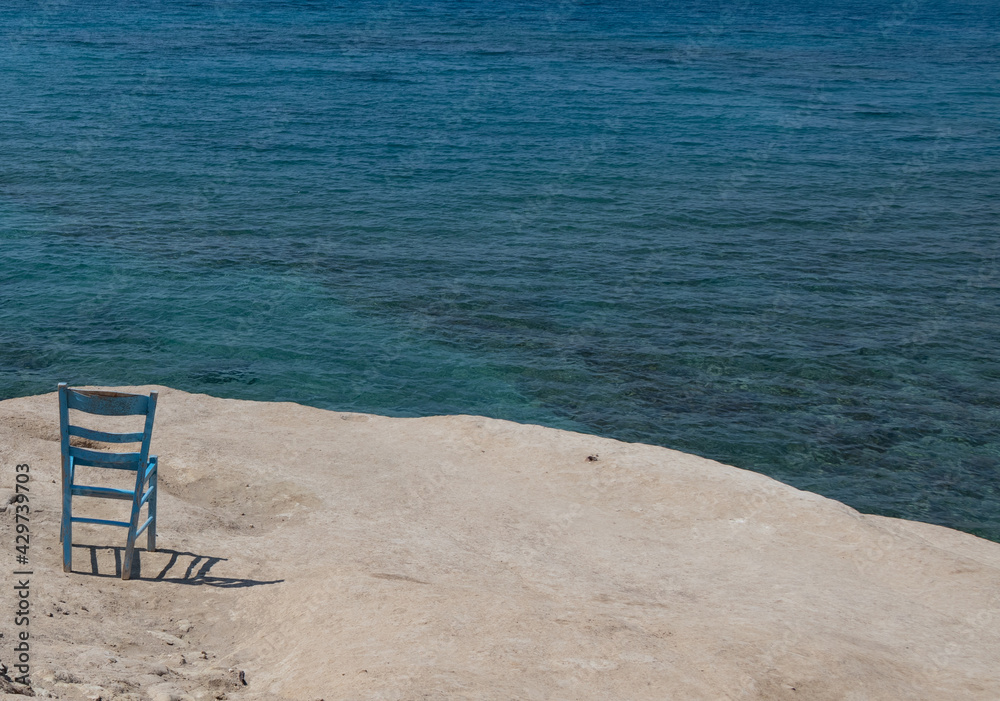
[766, 233]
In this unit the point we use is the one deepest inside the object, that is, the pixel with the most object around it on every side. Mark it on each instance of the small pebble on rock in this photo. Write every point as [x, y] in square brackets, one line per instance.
[66, 677]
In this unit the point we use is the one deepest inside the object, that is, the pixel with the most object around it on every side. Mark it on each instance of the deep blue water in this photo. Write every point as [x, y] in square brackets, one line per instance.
[765, 232]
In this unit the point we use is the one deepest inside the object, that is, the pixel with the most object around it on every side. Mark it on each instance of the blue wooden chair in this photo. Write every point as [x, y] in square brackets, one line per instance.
[106, 403]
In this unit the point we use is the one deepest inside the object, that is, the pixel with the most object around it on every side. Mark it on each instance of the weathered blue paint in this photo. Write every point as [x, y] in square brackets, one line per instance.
[96, 458]
[66, 526]
[101, 521]
[108, 403]
[105, 436]
[143, 526]
[105, 403]
[104, 492]
[150, 495]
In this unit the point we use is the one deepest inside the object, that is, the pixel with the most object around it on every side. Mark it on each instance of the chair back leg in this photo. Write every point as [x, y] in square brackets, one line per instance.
[66, 530]
[140, 480]
[68, 547]
[129, 551]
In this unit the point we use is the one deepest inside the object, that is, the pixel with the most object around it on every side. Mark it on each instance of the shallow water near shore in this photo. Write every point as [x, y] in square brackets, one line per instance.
[766, 235]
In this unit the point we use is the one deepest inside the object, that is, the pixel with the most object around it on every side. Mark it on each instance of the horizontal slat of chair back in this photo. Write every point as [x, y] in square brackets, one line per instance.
[81, 490]
[119, 461]
[107, 403]
[104, 436]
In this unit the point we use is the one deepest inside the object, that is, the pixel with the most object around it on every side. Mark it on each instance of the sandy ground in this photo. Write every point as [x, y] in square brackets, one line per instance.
[307, 554]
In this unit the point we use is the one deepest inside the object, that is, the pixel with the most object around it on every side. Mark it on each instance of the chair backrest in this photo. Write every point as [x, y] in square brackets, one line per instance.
[105, 403]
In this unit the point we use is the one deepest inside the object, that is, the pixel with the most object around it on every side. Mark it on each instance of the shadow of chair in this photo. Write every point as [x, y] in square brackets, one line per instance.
[175, 567]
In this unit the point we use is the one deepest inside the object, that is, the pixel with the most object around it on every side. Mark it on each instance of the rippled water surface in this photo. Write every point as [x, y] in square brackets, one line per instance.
[766, 233]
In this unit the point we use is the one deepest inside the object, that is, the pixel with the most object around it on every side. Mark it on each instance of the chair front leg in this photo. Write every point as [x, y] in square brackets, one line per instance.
[151, 530]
